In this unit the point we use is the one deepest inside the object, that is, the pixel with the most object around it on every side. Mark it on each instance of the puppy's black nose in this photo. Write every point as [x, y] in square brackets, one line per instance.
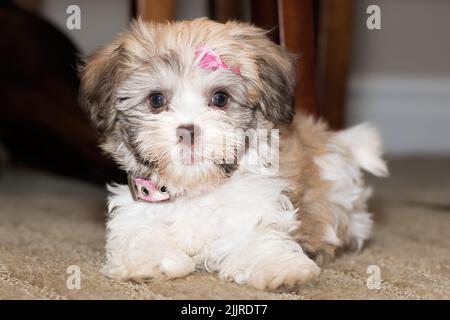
[187, 133]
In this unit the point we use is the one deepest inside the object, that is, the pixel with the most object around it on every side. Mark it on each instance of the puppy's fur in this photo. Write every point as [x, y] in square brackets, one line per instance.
[265, 228]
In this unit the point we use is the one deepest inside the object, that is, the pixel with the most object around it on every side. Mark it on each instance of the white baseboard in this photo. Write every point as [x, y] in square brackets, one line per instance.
[413, 114]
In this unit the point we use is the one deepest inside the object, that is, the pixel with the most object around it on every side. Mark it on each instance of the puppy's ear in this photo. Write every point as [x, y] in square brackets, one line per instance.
[275, 70]
[99, 76]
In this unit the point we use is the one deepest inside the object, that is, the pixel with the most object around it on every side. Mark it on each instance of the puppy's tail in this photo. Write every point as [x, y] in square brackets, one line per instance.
[365, 146]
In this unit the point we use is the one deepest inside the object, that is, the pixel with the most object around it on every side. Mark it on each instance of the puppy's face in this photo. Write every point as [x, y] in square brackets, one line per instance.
[161, 113]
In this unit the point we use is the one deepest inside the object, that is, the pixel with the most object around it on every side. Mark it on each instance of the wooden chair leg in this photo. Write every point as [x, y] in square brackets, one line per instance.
[224, 10]
[155, 10]
[334, 47]
[265, 15]
[293, 27]
[297, 34]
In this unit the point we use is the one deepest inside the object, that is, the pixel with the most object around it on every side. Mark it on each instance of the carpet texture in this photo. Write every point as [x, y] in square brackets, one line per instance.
[49, 223]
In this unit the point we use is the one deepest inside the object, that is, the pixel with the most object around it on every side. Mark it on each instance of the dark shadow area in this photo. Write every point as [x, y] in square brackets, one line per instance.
[41, 124]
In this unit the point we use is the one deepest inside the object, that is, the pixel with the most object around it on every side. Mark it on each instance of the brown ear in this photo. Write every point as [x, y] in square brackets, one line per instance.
[99, 76]
[275, 70]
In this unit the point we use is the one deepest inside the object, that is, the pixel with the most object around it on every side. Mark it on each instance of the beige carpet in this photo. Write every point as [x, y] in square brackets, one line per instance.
[48, 223]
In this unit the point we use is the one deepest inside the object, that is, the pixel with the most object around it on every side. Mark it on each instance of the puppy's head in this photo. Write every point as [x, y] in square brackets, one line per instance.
[163, 108]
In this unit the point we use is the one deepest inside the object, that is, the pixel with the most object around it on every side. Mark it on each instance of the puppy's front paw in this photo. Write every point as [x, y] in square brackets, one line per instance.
[127, 269]
[286, 271]
[176, 265]
[170, 265]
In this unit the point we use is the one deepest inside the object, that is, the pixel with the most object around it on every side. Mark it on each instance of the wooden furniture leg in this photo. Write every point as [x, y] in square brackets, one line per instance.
[155, 10]
[224, 10]
[294, 19]
[334, 45]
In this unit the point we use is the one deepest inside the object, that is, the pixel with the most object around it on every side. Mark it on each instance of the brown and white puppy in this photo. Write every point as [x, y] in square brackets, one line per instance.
[223, 176]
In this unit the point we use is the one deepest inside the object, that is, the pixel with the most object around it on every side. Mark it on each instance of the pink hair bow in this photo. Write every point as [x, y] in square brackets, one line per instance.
[210, 60]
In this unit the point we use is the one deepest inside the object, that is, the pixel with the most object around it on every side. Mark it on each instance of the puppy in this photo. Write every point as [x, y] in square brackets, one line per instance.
[223, 177]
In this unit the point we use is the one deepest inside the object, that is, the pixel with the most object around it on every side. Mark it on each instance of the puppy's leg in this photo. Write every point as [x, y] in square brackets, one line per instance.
[265, 259]
[145, 253]
[138, 245]
[337, 215]
[254, 243]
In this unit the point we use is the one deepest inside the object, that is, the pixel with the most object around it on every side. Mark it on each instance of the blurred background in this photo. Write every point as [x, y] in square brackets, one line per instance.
[397, 77]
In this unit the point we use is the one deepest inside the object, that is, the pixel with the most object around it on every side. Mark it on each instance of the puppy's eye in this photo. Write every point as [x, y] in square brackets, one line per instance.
[219, 99]
[157, 101]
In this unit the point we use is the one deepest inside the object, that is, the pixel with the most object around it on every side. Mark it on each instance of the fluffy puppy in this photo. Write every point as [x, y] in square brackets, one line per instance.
[223, 176]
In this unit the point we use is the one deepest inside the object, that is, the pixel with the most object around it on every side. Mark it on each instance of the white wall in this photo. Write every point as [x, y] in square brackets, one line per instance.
[400, 75]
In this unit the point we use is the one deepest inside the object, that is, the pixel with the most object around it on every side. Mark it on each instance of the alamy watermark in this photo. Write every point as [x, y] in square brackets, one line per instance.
[374, 279]
[73, 21]
[73, 281]
[256, 148]
[373, 21]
